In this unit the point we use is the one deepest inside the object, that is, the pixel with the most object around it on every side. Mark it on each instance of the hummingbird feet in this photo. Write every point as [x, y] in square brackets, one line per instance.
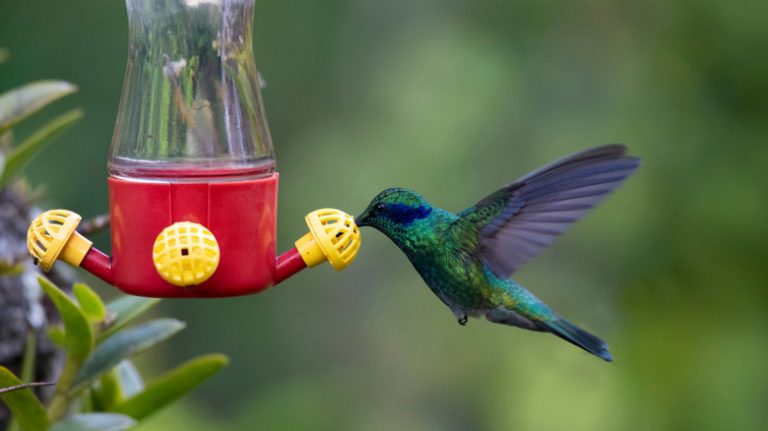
[461, 316]
[463, 320]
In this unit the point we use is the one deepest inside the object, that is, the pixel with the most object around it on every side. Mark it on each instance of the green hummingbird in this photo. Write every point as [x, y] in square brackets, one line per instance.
[467, 259]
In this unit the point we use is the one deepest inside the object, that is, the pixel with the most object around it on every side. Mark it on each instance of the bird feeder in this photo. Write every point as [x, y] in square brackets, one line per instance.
[192, 180]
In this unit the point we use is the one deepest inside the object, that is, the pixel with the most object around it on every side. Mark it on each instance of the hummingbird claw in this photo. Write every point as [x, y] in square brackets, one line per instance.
[463, 320]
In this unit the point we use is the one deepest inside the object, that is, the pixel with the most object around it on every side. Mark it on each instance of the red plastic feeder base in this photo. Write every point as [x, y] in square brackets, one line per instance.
[240, 214]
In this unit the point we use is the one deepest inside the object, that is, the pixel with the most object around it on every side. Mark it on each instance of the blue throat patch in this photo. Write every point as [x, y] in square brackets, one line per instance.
[406, 214]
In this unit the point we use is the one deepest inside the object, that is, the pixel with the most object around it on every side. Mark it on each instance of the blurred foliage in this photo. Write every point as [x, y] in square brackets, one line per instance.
[99, 387]
[454, 98]
[23, 347]
[18, 104]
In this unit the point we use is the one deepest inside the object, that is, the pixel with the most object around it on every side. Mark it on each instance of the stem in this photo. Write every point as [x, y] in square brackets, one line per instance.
[62, 396]
[25, 386]
[27, 368]
[28, 364]
[93, 225]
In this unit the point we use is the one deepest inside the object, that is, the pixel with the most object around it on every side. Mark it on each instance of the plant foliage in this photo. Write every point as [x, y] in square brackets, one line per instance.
[101, 372]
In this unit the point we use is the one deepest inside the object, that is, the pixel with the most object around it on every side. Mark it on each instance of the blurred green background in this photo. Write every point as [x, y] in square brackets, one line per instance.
[455, 98]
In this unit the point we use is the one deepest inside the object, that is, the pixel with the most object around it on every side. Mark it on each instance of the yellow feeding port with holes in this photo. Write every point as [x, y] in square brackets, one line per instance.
[52, 236]
[186, 254]
[333, 236]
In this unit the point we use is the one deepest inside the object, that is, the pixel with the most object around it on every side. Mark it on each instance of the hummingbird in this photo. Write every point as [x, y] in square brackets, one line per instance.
[467, 259]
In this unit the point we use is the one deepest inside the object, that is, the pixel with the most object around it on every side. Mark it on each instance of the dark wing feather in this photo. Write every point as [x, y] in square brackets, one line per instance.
[514, 223]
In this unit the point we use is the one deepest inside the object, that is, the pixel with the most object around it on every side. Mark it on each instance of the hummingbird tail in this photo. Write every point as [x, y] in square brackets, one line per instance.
[579, 337]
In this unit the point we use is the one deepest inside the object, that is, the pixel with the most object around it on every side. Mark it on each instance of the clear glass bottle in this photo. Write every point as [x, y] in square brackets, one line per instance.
[191, 109]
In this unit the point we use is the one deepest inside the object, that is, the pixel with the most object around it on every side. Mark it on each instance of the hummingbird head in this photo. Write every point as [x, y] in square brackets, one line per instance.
[393, 210]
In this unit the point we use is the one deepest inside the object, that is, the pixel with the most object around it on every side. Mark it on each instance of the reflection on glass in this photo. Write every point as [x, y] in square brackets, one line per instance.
[191, 105]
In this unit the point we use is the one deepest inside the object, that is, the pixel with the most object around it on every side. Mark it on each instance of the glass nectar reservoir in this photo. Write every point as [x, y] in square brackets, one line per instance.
[191, 105]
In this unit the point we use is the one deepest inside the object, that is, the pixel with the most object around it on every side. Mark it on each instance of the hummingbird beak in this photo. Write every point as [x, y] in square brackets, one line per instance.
[362, 219]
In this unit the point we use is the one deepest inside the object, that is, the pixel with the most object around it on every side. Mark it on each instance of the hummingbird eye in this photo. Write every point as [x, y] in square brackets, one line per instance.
[378, 208]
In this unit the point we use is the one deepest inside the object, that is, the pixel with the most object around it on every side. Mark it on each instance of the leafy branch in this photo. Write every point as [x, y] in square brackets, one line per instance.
[100, 344]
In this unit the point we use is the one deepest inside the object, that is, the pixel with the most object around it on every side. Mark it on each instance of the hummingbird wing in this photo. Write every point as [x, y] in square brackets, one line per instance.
[513, 224]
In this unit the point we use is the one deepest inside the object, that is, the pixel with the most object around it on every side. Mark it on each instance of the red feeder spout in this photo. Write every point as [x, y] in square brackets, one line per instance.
[288, 264]
[99, 264]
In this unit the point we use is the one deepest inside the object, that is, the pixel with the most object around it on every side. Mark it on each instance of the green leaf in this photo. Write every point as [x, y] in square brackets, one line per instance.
[172, 385]
[95, 422]
[124, 309]
[27, 410]
[123, 345]
[107, 392]
[19, 103]
[79, 335]
[4, 55]
[121, 382]
[131, 382]
[89, 302]
[58, 336]
[25, 151]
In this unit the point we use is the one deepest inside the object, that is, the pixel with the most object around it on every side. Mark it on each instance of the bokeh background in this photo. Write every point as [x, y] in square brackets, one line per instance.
[455, 98]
